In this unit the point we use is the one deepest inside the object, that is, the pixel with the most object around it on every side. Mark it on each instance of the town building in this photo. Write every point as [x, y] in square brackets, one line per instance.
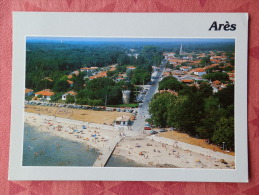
[46, 94]
[86, 69]
[122, 121]
[99, 75]
[185, 68]
[64, 96]
[130, 68]
[28, 92]
[199, 71]
[119, 79]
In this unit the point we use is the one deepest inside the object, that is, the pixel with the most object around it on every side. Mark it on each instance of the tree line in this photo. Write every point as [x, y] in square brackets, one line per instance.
[48, 67]
[196, 111]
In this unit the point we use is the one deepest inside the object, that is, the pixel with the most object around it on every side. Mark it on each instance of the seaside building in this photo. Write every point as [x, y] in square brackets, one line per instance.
[46, 94]
[122, 121]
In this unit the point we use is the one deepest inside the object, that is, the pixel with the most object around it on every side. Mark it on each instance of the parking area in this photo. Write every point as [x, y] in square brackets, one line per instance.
[82, 107]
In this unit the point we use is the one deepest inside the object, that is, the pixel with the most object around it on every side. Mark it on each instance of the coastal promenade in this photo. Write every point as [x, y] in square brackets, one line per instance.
[107, 152]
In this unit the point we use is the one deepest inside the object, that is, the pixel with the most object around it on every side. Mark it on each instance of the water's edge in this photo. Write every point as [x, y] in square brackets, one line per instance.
[44, 149]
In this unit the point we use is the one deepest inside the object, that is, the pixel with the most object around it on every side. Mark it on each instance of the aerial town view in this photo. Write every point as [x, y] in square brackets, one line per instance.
[129, 102]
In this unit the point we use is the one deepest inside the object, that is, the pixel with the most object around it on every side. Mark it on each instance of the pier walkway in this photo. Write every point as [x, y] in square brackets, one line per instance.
[107, 152]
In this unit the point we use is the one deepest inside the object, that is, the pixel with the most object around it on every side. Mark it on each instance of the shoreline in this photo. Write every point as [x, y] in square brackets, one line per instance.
[149, 151]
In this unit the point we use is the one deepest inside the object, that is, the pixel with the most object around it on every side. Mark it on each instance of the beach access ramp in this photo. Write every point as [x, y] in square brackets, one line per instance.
[107, 152]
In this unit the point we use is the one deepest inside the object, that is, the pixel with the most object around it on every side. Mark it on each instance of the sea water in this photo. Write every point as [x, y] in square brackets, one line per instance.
[44, 149]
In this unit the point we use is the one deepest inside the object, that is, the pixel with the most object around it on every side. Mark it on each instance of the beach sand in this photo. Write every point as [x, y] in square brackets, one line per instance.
[152, 151]
[94, 135]
[157, 152]
[183, 137]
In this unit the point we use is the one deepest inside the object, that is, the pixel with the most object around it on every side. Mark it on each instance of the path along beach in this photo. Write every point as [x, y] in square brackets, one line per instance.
[151, 151]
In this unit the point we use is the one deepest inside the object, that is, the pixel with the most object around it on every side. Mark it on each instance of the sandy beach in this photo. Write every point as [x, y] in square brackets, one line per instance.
[152, 151]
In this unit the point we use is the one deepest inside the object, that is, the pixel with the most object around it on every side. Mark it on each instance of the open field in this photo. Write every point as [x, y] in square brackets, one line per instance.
[99, 117]
[183, 137]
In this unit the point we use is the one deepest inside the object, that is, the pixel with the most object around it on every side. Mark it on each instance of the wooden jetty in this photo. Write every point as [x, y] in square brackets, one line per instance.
[107, 152]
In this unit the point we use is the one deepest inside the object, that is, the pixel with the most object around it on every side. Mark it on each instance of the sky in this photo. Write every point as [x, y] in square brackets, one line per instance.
[98, 39]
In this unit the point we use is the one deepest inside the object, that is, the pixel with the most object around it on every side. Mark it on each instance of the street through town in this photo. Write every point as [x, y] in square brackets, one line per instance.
[143, 114]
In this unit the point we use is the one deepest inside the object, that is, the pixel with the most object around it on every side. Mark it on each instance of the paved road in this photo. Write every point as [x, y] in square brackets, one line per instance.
[143, 114]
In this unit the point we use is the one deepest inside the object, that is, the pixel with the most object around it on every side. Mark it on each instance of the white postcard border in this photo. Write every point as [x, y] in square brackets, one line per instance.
[134, 25]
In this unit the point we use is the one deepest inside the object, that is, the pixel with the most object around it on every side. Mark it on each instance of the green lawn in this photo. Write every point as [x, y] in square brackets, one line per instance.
[124, 105]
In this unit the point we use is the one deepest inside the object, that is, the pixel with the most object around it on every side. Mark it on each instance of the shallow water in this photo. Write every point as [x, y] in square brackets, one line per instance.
[44, 149]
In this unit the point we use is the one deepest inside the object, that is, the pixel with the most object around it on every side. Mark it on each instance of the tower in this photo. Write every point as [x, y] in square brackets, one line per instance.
[181, 50]
[126, 96]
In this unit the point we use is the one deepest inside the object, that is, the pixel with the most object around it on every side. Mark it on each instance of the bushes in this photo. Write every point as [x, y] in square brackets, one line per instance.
[86, 101]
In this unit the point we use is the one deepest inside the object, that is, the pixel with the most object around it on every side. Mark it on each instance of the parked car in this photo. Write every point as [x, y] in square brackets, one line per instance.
[147, 128]
[153, 132]
[162, 130]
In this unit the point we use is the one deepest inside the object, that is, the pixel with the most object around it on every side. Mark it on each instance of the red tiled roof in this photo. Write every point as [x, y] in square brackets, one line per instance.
[210, 66]
[187, 80]
[217, 82]
[71, 93]
[45, 93]
[70, 82]
[185, 67]
[131, 67]
[28, 90]
[112, 69]
[199, 70]
[100, 74]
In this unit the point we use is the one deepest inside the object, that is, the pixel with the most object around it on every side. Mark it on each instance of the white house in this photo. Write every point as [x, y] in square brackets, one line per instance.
[122, 121]
[46, 94]
[199, 71]
[64, 96]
